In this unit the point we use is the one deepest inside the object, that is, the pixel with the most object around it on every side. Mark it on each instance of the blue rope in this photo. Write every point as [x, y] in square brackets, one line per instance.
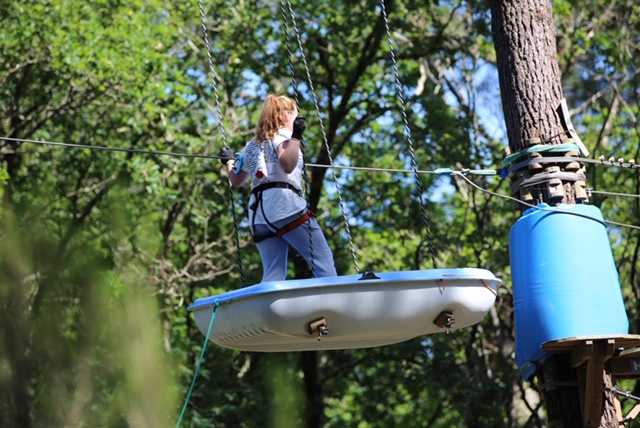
[195, 376]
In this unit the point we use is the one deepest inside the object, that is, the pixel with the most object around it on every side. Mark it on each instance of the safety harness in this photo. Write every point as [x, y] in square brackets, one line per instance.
[279, 232]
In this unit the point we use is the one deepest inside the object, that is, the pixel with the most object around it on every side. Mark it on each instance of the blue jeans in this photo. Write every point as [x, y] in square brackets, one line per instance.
[313, 247]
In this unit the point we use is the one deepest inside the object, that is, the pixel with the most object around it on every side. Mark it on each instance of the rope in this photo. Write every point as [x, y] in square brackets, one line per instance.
[216, 303]
[440, 171]
[306, 186]
[603, 222]
[285, 23]
[324, 135]
[224, 139]
[188, 155]
[407, 131]
[600, 192]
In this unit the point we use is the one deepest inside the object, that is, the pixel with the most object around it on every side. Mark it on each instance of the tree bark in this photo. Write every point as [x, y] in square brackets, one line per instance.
[313, 390]
[525, 41]
[531, 90]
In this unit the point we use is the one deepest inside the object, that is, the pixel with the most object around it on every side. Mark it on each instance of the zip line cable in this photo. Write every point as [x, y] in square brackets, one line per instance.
[189, 155]
[441, 171]
[110, 149]
[601, 192]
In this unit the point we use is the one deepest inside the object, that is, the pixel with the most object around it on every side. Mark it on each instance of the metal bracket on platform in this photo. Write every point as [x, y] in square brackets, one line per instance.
[318, 327]
[369, 275]
[445, 320]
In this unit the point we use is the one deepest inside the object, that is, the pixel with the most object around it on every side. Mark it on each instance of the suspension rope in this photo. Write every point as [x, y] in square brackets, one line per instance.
[224, 139]
[216, 303]
[407, 132]
[324, 135]
[294, 83]
[306, 185]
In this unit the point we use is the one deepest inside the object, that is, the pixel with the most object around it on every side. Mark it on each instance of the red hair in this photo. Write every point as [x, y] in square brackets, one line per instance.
[272, 116]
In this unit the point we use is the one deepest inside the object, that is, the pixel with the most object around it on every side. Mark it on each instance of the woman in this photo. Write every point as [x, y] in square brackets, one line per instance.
[279, 214]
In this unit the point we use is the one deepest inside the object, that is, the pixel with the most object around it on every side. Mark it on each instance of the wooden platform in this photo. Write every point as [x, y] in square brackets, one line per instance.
[595, 351]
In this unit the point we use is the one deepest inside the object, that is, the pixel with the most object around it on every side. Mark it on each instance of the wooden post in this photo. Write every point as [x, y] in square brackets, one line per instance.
[592, 353]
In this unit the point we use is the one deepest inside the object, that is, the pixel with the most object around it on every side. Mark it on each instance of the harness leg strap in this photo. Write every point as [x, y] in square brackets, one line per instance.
[297, 222]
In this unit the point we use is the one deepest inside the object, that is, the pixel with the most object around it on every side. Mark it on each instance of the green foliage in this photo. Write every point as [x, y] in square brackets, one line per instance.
[82, 336]
[103, 250]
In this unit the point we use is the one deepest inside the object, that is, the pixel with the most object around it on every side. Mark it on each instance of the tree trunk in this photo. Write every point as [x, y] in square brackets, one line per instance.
[525, 41]
[313, 390]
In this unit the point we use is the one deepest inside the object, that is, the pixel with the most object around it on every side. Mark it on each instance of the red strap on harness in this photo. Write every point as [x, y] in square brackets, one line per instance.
[297, 222]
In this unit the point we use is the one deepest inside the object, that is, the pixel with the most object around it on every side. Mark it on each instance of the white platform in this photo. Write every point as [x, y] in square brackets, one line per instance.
[357, 313]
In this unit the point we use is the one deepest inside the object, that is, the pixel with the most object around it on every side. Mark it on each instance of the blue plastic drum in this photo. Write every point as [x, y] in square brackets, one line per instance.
[565, 282]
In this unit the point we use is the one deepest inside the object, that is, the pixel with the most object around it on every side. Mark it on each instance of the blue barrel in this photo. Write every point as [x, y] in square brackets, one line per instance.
[565, 282]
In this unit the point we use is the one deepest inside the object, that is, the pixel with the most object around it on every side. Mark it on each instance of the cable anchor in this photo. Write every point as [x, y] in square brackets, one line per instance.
[319, 327]
[445, 320]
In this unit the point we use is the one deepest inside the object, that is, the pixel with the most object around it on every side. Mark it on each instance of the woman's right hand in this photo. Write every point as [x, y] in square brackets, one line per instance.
[299, 125]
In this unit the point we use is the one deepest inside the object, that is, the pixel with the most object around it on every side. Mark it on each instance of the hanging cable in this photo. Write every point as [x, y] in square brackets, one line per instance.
[541, 208]
[109, 149]
[601, 192]
[440, 171]
[189, 155]
[324, 135]
[285, 23]
[306, 185]
[224, 138]
[407, 132]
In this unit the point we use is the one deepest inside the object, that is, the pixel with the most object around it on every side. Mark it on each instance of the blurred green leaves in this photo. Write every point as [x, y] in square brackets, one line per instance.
[81, 339]
[102, 252]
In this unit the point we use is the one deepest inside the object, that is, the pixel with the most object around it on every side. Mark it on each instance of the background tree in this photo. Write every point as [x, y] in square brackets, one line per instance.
[102, 251]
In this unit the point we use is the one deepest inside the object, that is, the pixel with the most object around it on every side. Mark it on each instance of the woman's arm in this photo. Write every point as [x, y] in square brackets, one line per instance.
[239, 179]
[288, 153]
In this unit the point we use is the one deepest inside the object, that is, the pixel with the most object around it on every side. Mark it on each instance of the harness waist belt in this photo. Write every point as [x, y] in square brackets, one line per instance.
[276, 185]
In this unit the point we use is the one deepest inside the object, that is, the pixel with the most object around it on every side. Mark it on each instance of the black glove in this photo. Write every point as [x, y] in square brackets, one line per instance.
[226, 155]
[298, 127]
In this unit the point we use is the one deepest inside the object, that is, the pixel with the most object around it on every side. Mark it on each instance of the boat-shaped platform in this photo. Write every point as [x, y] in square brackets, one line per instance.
[347, 312]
